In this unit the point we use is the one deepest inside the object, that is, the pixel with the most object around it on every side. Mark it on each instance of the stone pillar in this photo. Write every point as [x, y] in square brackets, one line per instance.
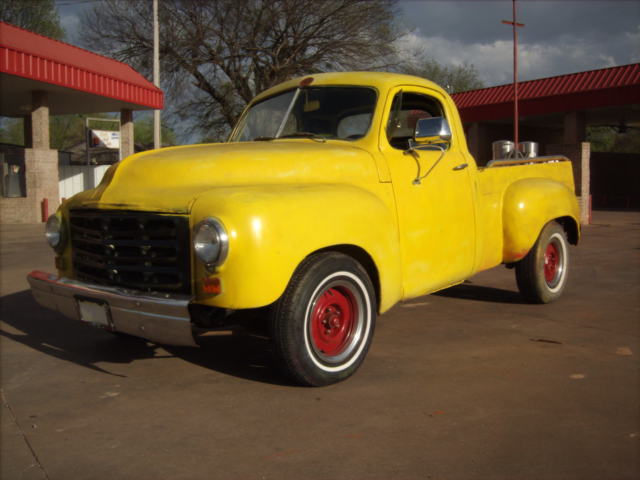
[585, 183]
[40, 168]
[126, 133]
[39, 121]
[580, 156]
[574, 127]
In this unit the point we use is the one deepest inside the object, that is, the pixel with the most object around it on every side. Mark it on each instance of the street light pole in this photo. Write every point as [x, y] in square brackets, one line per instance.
[157, 138]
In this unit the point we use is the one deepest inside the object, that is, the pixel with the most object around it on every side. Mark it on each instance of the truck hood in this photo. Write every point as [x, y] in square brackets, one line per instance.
[170, 179]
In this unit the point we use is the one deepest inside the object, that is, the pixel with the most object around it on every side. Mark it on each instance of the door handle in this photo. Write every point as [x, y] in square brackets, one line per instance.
[462, 166]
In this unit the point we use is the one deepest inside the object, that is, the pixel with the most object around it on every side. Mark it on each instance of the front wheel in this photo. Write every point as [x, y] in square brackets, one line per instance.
[323, 324]
[542, 274]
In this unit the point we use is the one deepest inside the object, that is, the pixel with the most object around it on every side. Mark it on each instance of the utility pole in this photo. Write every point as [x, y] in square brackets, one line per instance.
[515, 26]
[157, 138]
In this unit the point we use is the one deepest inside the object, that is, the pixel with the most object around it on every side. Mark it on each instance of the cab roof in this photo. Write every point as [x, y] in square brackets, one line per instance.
[378, 80]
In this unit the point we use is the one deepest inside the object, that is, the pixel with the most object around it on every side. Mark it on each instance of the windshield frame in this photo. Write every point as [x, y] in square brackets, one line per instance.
[241, 123]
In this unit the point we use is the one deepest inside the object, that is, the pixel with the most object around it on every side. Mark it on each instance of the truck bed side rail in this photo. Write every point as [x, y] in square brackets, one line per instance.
[527, 161]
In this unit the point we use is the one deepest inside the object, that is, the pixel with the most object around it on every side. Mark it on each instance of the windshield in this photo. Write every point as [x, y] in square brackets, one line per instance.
[314, 112]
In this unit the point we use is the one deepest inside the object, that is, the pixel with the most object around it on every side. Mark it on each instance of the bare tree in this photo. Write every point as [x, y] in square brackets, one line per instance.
[217, 55]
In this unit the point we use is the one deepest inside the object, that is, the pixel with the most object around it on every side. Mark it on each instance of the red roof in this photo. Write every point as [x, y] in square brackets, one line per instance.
[576, 91]
[35, 57]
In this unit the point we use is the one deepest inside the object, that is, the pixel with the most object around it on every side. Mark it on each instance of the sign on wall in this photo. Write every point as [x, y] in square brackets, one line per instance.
[104, 138]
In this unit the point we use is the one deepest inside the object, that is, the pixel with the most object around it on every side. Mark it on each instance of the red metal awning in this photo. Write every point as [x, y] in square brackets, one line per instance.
[77, 80]
[577, 91]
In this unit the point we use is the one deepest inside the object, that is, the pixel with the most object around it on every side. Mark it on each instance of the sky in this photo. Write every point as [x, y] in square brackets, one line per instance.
[559, 36]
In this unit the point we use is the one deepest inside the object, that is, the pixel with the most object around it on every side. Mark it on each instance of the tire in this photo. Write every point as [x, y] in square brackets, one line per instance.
[323, 324]
[542, 274]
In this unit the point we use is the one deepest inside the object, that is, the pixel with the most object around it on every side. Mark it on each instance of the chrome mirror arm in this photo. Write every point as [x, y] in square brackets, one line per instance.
[413, 151]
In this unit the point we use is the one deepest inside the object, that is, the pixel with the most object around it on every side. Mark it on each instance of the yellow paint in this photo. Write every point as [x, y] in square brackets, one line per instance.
[282, 200]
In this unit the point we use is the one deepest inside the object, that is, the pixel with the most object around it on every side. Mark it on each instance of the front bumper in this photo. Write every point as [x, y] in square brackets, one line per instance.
[161, 318]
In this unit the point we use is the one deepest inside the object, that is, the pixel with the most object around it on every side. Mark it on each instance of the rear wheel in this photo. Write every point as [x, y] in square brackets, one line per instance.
[542, 274]
[323, 324]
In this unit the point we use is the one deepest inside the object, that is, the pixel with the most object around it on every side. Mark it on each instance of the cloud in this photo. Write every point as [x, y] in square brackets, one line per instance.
[71, 24]
[494, 60]
[559, 37]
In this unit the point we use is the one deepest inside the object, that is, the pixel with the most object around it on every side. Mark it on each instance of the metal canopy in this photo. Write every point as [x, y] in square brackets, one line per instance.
[594, 91]
[76, 80]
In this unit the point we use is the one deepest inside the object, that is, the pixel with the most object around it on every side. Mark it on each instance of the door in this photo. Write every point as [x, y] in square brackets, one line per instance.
[434, 196]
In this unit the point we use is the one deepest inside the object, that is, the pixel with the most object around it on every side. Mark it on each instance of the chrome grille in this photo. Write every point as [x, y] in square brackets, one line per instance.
[143, 251]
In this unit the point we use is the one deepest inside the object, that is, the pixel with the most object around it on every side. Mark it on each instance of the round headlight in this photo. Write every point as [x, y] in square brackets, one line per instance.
[53, 232]
[210, 242]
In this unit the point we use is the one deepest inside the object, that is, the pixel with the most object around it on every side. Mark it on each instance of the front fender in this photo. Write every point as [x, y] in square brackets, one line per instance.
[529, 204]
[273, 228]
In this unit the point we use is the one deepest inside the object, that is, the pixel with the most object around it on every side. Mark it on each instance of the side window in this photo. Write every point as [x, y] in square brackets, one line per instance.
[406, 109]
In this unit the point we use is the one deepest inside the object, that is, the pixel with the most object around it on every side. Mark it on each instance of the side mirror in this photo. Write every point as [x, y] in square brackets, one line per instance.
[430, 131]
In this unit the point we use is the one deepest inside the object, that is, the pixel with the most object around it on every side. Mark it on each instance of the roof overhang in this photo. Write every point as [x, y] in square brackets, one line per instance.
[586, 91]
[76, 80]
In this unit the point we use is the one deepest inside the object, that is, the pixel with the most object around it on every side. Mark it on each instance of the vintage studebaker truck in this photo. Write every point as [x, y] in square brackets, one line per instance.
[336, 196]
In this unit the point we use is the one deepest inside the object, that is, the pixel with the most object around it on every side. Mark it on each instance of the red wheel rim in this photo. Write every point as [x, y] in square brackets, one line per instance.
[333, 321]
[551, 263]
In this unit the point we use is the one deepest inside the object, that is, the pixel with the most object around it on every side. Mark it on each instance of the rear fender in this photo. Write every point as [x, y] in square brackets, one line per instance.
[529, 204]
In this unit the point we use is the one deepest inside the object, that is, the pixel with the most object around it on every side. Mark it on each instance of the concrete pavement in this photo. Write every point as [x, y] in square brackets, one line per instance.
[469, 383]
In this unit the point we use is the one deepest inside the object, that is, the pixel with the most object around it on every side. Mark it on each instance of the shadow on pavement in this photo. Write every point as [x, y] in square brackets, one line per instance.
[53, 334]
[468, 291]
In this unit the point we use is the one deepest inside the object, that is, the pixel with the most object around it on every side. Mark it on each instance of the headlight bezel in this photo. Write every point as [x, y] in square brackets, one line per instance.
[215, 228]
[54, 233]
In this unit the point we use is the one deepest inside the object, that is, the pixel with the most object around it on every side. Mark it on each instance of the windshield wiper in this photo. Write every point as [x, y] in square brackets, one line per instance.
[312, 136]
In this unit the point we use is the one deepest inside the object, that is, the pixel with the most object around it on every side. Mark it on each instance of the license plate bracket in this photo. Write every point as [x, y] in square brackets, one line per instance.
[96, 312]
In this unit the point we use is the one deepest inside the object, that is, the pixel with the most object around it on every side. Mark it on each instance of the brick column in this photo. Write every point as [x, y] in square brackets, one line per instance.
[574, 127]
[580, 155]
[126, 133]
[39, 121]
[585, 183]
[40, 168]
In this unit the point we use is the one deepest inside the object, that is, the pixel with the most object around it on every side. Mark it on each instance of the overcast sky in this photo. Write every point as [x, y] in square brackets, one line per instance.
[559, 37]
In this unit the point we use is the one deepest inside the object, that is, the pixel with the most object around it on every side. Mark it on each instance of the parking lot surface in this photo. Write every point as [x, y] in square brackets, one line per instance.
[467, 383]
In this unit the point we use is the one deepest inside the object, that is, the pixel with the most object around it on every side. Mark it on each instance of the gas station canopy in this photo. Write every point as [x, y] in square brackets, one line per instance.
[75, 80]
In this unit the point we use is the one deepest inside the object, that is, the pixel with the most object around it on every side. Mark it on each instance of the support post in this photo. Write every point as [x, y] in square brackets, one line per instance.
[39, 121]
[157, 129]
[574, 127]
[585, 183]
[126, 133]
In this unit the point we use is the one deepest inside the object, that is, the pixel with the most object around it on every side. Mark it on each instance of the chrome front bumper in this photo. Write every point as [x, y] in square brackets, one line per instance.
[161, 318]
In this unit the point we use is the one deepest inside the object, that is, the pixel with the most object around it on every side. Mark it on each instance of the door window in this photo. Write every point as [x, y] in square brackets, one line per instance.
[407, 108]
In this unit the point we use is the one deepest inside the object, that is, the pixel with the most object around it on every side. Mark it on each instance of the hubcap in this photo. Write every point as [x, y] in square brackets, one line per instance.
[333, 321]
[552, 264]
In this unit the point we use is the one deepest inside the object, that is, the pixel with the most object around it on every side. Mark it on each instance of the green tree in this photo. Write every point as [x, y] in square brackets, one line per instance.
[602, 138]
[453, 78]
[39, 16]
[11, 131]
[217, 55]
[143, 133]
[65, 131]
[628, 141]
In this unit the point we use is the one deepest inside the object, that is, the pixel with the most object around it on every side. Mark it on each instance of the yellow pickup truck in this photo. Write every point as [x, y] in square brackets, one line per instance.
[336, 196]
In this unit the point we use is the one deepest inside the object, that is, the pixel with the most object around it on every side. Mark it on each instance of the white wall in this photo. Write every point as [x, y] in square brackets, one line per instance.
[77, 178]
